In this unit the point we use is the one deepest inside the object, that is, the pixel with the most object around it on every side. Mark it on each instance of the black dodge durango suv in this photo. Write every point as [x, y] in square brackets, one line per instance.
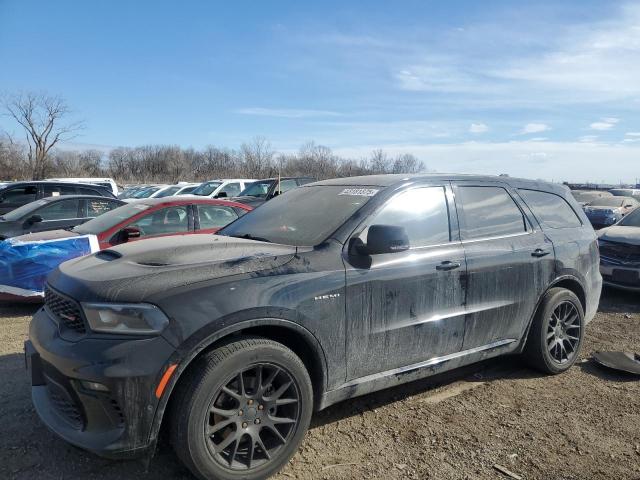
[337, 289]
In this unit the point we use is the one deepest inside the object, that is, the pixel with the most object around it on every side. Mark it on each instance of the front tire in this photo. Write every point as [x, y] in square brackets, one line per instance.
[242, 410]
[556, 333]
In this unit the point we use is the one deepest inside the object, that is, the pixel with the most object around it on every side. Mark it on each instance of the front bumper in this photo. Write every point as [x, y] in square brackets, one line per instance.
[116, 423]
[621, 277]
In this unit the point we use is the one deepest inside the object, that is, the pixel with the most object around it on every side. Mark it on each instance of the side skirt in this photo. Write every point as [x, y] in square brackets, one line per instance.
[416, 371]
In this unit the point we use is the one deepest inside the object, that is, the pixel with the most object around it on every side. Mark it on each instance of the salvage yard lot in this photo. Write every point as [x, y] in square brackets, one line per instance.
[583, 424]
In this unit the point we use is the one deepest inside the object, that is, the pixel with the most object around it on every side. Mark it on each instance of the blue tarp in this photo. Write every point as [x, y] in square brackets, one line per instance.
[24, 265]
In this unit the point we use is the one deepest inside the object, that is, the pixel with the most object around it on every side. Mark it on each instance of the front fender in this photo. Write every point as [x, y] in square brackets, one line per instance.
[212, 333]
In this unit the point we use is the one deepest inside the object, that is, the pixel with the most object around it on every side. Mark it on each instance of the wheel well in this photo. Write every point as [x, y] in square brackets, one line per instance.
[299, 345]
[575, 287]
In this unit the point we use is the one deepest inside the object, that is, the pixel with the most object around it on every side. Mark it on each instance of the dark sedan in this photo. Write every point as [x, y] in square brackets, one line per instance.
[53, 213]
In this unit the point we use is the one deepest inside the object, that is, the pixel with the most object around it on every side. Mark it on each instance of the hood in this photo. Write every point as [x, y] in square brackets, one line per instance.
[49, 235]
[621, 234]
[139, 270]
[248, 200]
[600, 208]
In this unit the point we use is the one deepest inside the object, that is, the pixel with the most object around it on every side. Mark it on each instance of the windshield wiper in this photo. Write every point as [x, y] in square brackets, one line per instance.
[248, 236]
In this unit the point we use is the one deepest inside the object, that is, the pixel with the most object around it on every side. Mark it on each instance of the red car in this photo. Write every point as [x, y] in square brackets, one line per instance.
[153, 217]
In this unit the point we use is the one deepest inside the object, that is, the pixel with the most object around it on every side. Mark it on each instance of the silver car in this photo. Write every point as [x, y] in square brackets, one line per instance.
[620, 253]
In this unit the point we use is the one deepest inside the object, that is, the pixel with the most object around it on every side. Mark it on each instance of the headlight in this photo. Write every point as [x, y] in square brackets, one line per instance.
[122, 318]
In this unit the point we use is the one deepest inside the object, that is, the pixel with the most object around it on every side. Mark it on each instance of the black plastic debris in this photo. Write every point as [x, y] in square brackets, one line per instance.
[625, 361]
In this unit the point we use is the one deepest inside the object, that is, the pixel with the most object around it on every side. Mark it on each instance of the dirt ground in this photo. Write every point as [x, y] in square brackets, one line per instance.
[584, 424]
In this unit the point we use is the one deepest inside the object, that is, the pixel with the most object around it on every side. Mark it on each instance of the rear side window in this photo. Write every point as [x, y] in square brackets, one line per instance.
[422, 212]
[65, 209]
[489, 212]
[551, 210]
[215, 216]
[98, 207]
[19, 195]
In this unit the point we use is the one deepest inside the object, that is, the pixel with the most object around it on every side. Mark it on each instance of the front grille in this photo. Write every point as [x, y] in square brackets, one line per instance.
[64, 404]
[620, 253]
[64, 310]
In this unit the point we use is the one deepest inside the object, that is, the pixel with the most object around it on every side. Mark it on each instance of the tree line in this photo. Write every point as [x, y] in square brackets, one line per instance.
[43, 121]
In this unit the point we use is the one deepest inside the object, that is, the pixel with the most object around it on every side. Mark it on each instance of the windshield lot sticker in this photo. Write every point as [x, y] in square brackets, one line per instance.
[362, 192]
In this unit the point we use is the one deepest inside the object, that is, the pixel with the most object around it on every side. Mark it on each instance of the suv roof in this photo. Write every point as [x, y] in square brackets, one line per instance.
[398, 178]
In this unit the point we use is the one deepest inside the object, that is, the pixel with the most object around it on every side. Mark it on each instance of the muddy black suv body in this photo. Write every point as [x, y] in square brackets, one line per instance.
[337, 289]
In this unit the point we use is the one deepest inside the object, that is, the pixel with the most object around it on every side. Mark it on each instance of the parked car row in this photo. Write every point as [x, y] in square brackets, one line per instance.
[605, 208]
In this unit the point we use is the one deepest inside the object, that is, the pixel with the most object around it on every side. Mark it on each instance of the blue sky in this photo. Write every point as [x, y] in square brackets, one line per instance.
[537, 89]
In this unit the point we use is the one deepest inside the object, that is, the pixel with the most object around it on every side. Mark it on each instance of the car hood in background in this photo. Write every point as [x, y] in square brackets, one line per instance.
[621, 234]
[140, 270]
[48, 235]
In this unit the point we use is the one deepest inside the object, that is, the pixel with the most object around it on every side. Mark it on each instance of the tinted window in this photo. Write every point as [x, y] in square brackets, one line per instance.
[632, 219]
[421, 211]
[257, 189]
[489, 212]
[214, 216]
[304, 216]
[98, 207]
[162, 222]
[111, 219]
[551, 210]
[19, 195]
[60, 210]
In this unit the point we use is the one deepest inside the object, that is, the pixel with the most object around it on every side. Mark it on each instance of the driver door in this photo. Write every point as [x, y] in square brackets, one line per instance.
[407, 307]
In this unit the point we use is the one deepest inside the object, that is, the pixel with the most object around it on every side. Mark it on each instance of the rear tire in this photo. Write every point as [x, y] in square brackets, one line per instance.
[241, 410]
[556, 333]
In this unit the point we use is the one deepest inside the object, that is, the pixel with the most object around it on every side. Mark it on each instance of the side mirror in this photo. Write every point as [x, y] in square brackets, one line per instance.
[33, 219]
[384, 239]
[221, 195]
[130, 232]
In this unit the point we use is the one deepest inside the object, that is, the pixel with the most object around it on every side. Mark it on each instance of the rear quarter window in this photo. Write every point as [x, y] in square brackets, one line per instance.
[551, 210]
[489, 211]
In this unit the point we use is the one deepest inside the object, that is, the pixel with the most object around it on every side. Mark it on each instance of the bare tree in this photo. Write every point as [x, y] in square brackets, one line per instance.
[43, 119]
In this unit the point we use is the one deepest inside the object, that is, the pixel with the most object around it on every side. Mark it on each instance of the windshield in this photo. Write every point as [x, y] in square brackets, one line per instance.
[207, 188]
[257, 189]
[632, 219]
[110, 219]
[303, 217]
[608, 202]
[20, 212]
[167, 192]
[146, 192]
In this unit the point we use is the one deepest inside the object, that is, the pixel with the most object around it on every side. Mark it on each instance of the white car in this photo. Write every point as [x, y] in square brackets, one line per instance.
[103, 182]
[222, 188]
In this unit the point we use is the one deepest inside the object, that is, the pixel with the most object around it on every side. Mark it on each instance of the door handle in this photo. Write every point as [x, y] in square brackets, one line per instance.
[539, 252]
[447, 265]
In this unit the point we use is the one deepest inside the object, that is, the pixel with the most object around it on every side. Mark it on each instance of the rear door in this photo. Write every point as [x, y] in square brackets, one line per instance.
[58, 215]
[407, 307]
[510, 262]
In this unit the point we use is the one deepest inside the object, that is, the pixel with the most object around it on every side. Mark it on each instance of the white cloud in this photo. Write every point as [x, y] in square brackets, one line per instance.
[286, 112]
[588, 138]
[478, 128]
[534, 128]
[595, 62]
[606, 123]
[632, 134]
[568, 161]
